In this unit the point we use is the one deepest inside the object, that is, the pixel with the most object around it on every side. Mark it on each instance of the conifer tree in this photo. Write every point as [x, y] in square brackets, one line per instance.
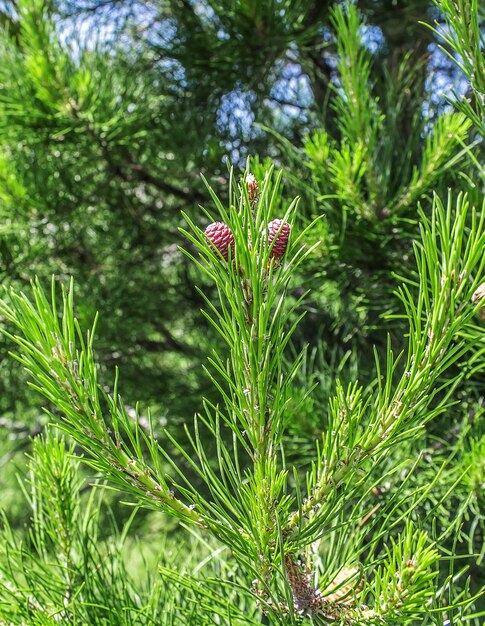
[334, 470]
[313, 543]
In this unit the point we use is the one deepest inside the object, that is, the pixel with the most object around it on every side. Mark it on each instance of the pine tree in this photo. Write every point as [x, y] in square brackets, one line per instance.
[315, 544]
[334, 470]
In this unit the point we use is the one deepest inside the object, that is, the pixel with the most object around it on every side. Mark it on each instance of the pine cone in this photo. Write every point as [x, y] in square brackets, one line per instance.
[280, 230]
[220, 237]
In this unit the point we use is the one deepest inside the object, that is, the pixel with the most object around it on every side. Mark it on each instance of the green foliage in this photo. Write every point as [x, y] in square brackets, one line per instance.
[84, 158]
[366, 169]
[65, 570]
[257, 505]
[464, 43]
[75, 568]
[334, 470]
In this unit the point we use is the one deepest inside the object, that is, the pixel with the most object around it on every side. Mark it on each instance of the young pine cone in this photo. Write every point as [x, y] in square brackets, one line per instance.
[220, 237]
[281, 231]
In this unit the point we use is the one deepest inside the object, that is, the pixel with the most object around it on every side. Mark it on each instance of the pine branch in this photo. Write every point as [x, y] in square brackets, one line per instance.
[64, 371]
[464, 44]
[254, 505]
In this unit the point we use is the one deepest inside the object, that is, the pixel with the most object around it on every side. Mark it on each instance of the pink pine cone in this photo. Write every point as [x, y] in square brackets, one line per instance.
[221, 237]
[280, 230]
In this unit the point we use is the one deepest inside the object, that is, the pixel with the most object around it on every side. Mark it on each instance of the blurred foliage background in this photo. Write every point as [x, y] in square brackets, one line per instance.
[109, 112]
